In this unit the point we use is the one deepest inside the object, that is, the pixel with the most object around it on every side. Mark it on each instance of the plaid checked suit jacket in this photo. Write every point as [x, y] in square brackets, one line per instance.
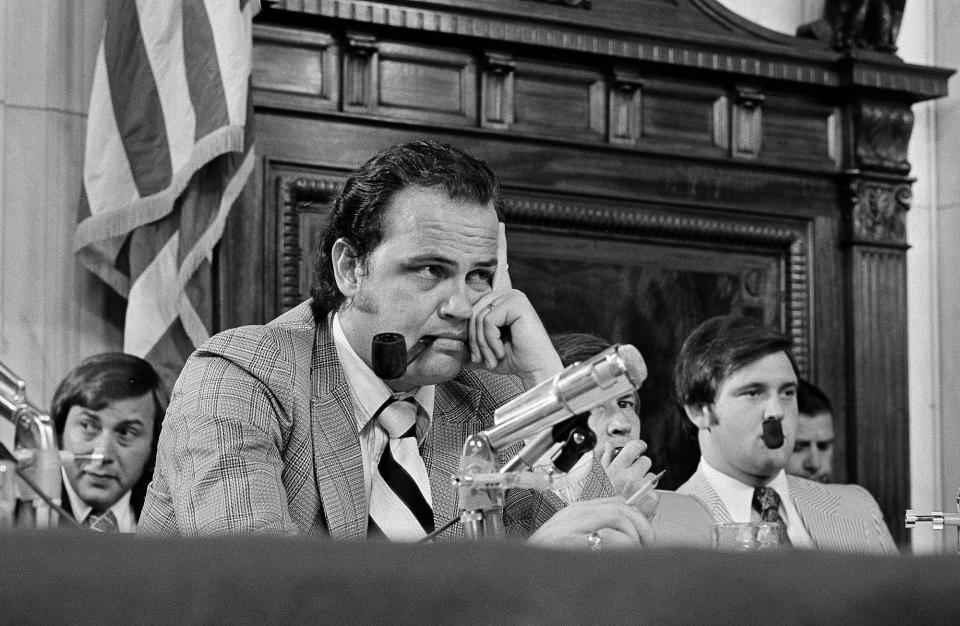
[842, 518]
[260, 437]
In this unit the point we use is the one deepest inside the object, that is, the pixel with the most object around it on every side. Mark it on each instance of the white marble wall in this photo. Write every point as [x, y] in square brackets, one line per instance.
[51, 312]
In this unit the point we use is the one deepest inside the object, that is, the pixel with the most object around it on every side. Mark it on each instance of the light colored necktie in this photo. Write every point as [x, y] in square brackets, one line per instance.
[102, 521]
[400, 502]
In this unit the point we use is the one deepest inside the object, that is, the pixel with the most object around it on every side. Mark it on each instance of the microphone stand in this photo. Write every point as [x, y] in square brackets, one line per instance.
[482, 484]
[937, 519]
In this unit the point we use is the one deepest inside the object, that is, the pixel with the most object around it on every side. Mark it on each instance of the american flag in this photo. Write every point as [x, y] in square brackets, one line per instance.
[169, 148]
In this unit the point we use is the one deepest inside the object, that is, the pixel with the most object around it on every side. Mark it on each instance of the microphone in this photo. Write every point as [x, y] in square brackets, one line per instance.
[579, 388]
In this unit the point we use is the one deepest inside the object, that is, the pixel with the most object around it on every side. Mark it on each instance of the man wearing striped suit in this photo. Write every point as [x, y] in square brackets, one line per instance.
[737, 382]
[286, 428]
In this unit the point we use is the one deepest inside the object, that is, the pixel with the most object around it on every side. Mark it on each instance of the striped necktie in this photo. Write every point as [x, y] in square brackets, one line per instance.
[400, 500]
[102, 521]
[766, 501]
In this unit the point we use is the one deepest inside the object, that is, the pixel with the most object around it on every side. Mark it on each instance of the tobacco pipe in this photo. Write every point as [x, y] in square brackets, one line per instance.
[390, 355]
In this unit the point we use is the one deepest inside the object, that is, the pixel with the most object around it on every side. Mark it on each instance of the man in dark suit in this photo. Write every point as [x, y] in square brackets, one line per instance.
[111, 404]
[281, 428]
[737, 382]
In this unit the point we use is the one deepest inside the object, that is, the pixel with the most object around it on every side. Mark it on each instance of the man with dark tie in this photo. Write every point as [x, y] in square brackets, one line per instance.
[110, 405]
[287, 428]
[737, 382]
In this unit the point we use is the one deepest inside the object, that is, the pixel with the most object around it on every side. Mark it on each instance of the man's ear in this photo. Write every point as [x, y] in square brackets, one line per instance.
[699, 414]
[346, 267]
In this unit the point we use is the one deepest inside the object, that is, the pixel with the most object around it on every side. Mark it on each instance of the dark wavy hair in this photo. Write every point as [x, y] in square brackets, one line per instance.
[717, 348]
[811, 400]
[104, 378]
[575, 347]
[357, 213]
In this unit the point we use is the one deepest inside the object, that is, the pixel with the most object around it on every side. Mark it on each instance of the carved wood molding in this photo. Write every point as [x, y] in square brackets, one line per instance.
[573, 4]
[747, 122]
[295, 193]
[497, 90]
[360, 79]
[626, 93]
[790, 242]
[882, 134]
[876, 211]
[551, 35]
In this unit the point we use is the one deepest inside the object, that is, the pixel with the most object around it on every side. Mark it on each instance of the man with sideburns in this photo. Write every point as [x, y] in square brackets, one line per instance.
[732, 375]
[286, 427]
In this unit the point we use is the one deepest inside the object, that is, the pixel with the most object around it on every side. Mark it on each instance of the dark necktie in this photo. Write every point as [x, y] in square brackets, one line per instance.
[766, 501]
[400, 500]
[102, 521]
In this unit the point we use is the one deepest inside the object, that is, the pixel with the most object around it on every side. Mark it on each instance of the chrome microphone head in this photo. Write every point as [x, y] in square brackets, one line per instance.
[633, 364]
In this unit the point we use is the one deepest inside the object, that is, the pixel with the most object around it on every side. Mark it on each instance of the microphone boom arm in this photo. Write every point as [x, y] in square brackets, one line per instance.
[570, 395]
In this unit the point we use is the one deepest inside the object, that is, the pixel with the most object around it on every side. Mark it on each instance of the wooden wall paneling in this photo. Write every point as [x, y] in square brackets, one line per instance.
[588, 170]
[559, 101]
[746, 132]
[295, 69]
[878, 436]
[496, 90]
[669, 110]
[360, 78]
[800, 131]
[624, 117]
[678, 115]
[829, 335]
[239, 269]
[426, 84]
[305, 201]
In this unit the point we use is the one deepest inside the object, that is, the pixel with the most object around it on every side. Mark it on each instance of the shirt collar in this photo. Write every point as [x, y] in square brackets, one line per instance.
[126, 521]
[736, 496]
[369, 391]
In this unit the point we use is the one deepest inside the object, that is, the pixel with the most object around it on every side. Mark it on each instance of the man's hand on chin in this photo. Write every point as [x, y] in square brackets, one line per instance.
[601, 524]
[507, 337]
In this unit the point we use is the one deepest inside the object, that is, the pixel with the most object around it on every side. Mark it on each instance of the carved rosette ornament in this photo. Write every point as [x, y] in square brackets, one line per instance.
[883, 134]
[877, 211]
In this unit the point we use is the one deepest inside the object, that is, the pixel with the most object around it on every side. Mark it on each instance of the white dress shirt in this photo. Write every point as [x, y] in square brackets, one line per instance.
[369, 392]
[737, 497]
[126, 520]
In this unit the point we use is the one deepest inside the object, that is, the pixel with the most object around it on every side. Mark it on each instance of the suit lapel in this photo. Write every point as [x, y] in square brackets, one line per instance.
[338, 464]
[455, 407]
[700, 488]
[818, 509]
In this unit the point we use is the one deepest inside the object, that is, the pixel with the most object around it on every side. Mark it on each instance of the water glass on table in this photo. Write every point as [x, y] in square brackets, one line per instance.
[747, 536]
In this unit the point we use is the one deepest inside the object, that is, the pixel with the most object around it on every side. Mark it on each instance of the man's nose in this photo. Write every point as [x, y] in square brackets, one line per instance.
[106, 444]
[812, 460]
[776, 406]
[619, 425]
[457, 306]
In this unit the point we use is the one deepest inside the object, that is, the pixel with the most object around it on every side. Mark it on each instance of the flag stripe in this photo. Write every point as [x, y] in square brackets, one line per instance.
[203, 70]
[169, 353]
[205, 191]
[136, 100]
[146, 243]
[171, 88]
[406, 488]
